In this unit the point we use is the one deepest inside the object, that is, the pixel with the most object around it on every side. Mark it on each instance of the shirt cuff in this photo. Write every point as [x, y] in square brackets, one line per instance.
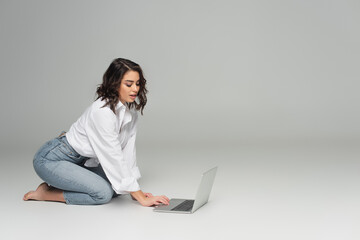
[136, 173]
[126, 186]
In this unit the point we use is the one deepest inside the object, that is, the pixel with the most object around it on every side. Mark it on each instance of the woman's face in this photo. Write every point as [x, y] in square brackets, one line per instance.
[129, 87]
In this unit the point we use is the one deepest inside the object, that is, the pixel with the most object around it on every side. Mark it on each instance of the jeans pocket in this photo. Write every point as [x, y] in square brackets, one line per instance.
[68, 150]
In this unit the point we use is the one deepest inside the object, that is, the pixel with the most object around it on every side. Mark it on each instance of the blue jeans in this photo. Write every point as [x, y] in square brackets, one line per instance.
[60, 166]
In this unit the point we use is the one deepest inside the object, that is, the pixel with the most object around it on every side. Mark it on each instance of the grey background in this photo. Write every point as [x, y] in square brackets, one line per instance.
[217, 70]
[266, 90]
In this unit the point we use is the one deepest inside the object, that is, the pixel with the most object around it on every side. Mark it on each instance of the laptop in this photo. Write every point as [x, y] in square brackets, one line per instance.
[178, 205]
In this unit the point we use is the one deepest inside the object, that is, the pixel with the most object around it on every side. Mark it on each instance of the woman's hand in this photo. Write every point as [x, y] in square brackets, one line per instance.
[145, 194]
[155, 200]
[148, 195]
[147, 199]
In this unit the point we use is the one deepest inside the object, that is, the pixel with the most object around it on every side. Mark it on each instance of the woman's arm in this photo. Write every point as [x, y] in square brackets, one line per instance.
[103, 137]
[150, 200]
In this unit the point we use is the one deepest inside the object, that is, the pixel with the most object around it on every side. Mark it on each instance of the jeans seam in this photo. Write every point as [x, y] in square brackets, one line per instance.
[50, 150]
[65, 197]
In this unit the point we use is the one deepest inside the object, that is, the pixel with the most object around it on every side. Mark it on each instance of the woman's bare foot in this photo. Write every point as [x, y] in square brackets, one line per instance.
[45, 193]
[38, 194]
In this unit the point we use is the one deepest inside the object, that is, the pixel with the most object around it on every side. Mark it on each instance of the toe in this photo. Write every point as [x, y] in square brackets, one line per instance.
[27, 195]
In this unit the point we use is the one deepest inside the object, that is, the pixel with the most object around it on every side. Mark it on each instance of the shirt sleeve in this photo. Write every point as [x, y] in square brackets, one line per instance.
[130, 153]
[101, 131]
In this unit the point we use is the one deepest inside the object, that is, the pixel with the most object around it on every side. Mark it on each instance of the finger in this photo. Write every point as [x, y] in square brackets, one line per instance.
[165, 197]
[157, 203]
[164, 201]
[159, 200]
[148, 195]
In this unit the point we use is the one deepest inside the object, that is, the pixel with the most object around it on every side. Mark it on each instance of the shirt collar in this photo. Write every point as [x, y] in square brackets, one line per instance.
[123, 112]
[120, 105]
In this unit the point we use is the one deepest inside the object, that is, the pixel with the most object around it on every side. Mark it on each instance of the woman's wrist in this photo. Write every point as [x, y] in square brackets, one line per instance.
[138, 196]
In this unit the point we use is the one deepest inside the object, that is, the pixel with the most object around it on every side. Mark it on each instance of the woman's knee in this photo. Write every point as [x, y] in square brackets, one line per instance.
[103, 195]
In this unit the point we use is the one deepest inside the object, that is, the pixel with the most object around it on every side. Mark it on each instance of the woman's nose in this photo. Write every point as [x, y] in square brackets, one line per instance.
[135, 88]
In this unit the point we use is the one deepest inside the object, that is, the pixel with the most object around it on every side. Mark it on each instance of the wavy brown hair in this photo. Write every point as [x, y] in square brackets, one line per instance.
[109, 89]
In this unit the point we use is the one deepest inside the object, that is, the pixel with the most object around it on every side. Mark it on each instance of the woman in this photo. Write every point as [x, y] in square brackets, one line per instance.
[96, 159]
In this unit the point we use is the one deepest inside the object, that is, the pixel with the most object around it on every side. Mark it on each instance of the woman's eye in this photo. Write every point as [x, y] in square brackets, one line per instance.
[138, 84]
[128, 85]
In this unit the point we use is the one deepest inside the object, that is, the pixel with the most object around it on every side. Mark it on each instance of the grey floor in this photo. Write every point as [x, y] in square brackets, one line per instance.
[262, 191]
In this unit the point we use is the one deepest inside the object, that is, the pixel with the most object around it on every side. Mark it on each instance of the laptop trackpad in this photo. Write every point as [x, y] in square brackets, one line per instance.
[173, 203]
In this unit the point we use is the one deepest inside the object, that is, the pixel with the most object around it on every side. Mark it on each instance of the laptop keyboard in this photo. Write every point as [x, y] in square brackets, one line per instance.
[184, 206]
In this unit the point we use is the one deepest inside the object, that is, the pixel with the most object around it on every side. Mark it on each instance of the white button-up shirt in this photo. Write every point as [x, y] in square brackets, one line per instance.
[108, 139]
